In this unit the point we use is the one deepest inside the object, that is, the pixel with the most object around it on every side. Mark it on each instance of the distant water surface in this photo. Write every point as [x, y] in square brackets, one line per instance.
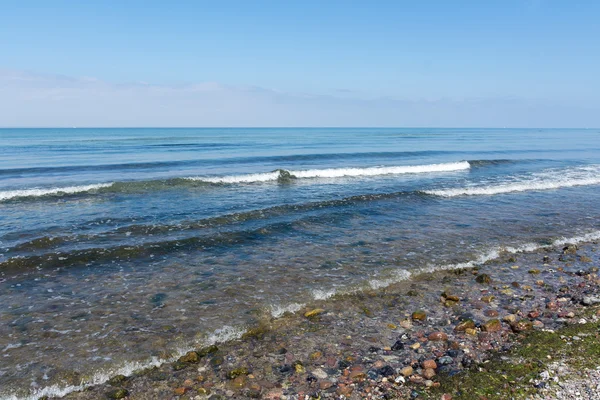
[122, 248]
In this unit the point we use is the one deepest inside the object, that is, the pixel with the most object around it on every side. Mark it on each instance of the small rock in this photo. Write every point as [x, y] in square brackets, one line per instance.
[324, 385]
[492, 325]
[428, 373]
[590, 300]
[464, 325]
[190, 357]
[314, 313]
[490, 313]
[488, 299]
[117, 380]
[406, 324]
[521, 326]
[117, 394]
[570, 249]
[407, 371]
[429, 364]
[419, 316]
[237, 372]
[437, 336]
[319, 373]
[180, 391]
[398, 345]
[471, 331]
[445, 360]
[483, 278]
[510, 318]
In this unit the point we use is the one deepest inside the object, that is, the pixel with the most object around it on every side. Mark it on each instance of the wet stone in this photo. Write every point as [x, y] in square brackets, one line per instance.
[483, 278]
[438, 336]
[117, 380]
[117, 394]
[419, 316]
[521, 326]
[464, 325]
[398, 345]
[492, 325]
[190, 357]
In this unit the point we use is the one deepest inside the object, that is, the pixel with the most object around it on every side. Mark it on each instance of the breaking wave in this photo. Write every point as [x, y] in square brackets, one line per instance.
[336, 173]
[548, 180]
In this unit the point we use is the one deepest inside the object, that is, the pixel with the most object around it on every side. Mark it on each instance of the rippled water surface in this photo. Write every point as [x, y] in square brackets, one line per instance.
[120, 248]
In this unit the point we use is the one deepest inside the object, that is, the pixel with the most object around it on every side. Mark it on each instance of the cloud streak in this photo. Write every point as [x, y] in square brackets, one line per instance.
[30, 99]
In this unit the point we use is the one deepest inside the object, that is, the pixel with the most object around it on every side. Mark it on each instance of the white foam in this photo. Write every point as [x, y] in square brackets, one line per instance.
[225, 334]
[338, 173]
[552, 179]
[278, 310]
[398, 276]
[248, 178]
[323, 294]
[38, 192]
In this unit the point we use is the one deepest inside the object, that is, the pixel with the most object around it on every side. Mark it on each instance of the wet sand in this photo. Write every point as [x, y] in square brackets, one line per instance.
[394, 342]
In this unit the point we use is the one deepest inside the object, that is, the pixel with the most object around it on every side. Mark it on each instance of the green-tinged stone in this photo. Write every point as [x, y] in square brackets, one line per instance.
[208, 350]
[234, 373]
[256, 333]
[463, 326]
[488, 299]
[298, 367]
[117, 394]
[534, 271]
[450, 303]
[216, 361]
[521, 326]
[117, 380]
[483, 278]
[493, 325]
[178, 365]
[419, 316]
[314, 313]
[190, 357]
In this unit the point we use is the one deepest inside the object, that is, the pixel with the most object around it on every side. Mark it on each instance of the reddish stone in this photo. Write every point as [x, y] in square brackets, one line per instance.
[438, 336]
[324, 385]
[429, 364]
[180, 391]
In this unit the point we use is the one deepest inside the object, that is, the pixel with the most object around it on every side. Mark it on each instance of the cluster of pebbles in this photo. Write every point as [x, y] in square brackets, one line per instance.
[386, 344]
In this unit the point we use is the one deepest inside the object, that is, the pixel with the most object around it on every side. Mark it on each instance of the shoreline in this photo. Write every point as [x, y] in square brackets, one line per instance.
[378, 343]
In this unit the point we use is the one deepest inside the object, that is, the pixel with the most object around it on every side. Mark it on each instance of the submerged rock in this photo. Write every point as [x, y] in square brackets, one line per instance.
[492, 325]
[483, 278]
[190, 357]
[314, 313]
[117, 394]
[437, 336]
[419, 316]
[464, 325]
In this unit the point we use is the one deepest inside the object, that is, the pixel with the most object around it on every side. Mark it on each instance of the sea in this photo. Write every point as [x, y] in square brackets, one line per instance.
[122, 249]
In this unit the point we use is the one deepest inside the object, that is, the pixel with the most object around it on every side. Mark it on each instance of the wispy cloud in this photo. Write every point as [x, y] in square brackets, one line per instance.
[31, 99]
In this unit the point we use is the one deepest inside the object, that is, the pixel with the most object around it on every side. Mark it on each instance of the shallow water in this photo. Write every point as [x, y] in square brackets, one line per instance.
[123, 247]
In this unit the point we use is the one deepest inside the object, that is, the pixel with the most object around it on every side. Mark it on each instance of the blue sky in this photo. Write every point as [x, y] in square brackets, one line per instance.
[426, 63]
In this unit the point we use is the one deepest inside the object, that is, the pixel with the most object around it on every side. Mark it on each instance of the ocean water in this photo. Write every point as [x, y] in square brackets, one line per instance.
[124, 248]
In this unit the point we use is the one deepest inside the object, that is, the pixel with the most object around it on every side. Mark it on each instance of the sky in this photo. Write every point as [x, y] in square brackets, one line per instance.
[510, 63]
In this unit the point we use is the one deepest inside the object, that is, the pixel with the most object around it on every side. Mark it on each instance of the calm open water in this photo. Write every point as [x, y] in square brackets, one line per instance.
[123, 248]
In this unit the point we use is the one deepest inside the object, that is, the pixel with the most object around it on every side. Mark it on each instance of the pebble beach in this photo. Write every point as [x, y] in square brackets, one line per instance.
[403, 341]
